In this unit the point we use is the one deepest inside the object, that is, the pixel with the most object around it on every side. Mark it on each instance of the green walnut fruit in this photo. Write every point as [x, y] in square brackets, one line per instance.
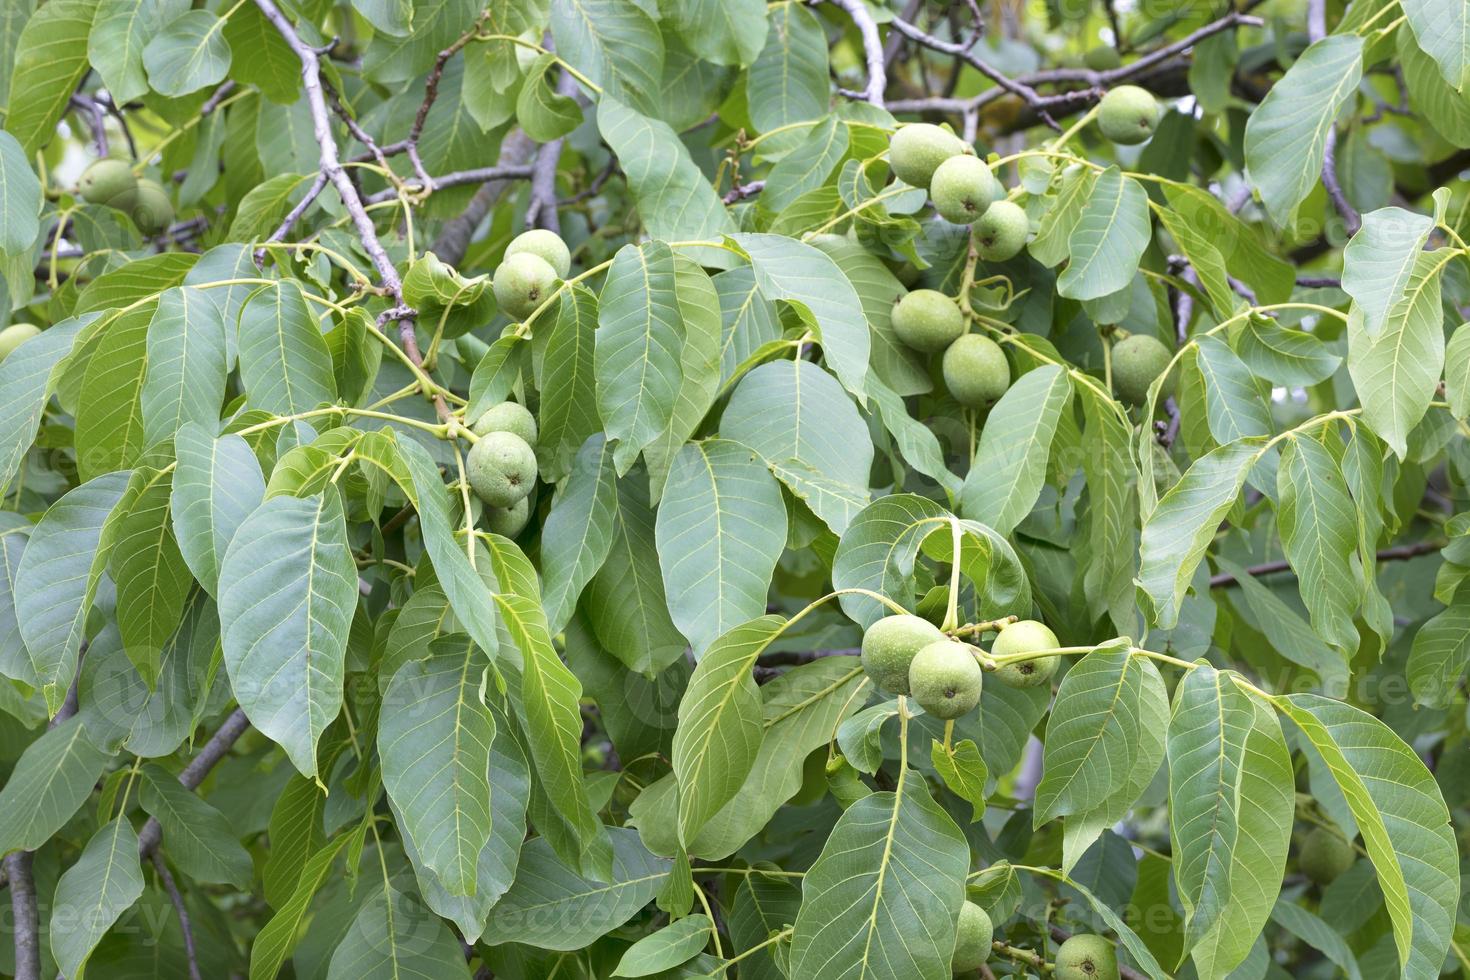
[1325, 854]
[962, 188]
[927, 320]
[546, 245]
[1128, 114]
[975, 370]
[1027, 636]
[149, 207]
[1001, 231]
[889, 647]
[1137, 360]
[917, 150]
[15, 335]
[508, 417]
[1102, 58]
[501, 469]
[522, 283]
[509, 521]
[973, 934]
[105, 180]
[1086, 957]
[945, 679]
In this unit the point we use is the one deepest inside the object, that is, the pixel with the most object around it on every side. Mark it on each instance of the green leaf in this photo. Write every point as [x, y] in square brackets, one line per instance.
[1112, 504]
[1289, 634]
[551, 907]
[617, 45]
[50, 60]
[97, 890]
[720, 727]
[566, 374]
[699, 369]
[186, 367]
[200, 840]
[1440, 655]
[788, 81]
[639, 339]
[1443, 31]
[392, 937]
[902, 368]
[285, 365]
[1457, 372]
[1379, 262]
[109, 434]
[578, 532]
[498, 371]
[1286, 357]
[20, 198]
[674, 944]
[544, 114]
[1010, 466]
[152, 579]
[189, 54]
[1126, 936]
[1402, 817]
[893, 861]
[817, 288]
[675, 200]
[1093, 737]
[260, 57]
[797, 417]
[51, 780]
[1184, 523]
[1265, 793]
[720, 529]
[1397, 370]
[216, 484]
[1317, 934]
[435, 751]
[963, 771]
[917, 444]
[436, 25]
[1319, 534]
[288, 588]
[1108, 240]
[57, 580]
[808, 166]
[28, 376]
[726, 32]
[1233, 404]
[1286, 135]
[278, 937]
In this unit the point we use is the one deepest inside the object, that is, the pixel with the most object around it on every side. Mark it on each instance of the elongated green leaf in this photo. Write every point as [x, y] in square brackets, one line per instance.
[576, 537]
[877, 288]
[1396, 371]
[1290, 635]
[1286, 136]
[393, 937]
[882, 898]
[284, 361]
[699, 369]
[1184, 523]
[808, 166]
[1402, 817]
[20, 198]
[727, 33]
[1266, 793]
[566, 374]
[1233, 404]
[554, 908]
[675, 201]
[1378, 263]
[1319, 534]
[720, 529]
[287, 588]
[28, 376]
[51, 780]
[1443, 31]
[676, 943]
[1093, 736]
[788, 79]
[188, 54]
[1108, 240]
[278, 937]
[94, 893]
[15, 662]
[1292, 358]
[109, 434]
[720, 728]
[149, 571]
[805, 277]
[1440, 655]
[617, 45]
[187, 362]
[1010, 466]
[200, 840]
[57, 580]
[50, 59]
[120, 31]
[434, 742]
[1457, 372]
[1319, 935]
[216, 484]
[799, 419]
[639, 339]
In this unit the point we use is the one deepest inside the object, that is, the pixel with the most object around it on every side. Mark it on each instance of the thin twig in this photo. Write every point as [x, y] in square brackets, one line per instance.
[1398, 553]
[458, 178]
[292, 216]
[93, 111]
[454, 238]
[741, 191]
[963, 52]
[173, 893]
[872, 49]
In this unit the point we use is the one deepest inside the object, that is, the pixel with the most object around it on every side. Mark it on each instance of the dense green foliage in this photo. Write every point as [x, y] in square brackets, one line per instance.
[714, 488]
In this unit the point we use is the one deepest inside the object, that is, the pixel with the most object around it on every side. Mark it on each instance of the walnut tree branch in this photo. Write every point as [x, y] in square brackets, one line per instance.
[170, 886]
[1399, 553]
[872, 49]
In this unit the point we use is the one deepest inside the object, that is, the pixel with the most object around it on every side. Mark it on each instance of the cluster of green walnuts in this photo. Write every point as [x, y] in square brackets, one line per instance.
[965, 191]
[112, 183]
[501, 465]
